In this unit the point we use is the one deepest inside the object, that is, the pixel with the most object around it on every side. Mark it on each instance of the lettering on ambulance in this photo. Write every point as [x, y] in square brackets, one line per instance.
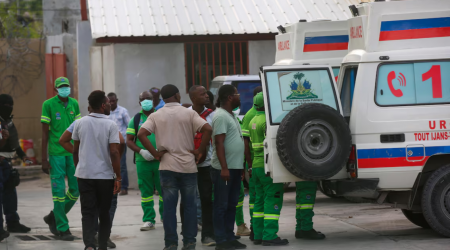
[356, 32]
[283, 45]
[433, 136]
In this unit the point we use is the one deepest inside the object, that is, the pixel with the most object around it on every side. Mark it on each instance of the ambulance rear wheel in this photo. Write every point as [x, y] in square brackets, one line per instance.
[436, 201]
[416, 218]
[314, 142]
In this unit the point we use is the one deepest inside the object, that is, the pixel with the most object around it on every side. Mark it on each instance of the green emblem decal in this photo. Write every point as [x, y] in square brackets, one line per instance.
[299, 90]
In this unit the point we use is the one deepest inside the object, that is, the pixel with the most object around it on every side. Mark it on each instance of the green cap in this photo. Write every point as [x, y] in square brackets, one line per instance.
[61, 81]
[258, 100]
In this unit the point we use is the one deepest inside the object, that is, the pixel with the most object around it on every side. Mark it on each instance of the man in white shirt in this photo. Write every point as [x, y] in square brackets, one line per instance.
[200, 98]
[121, 117]
[97, 160]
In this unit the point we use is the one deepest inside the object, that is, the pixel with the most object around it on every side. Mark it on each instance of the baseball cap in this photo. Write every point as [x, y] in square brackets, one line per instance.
[258, 100]
[61, 81]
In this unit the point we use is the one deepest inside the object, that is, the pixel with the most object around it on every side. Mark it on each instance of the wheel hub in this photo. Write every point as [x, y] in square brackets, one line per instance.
[316, 141]
[445, 201]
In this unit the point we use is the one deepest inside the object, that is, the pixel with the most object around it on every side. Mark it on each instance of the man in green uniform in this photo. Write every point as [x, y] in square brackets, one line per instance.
[269, 195]
[251, 185]
[305, 198]
[58, 113]
[147, 166]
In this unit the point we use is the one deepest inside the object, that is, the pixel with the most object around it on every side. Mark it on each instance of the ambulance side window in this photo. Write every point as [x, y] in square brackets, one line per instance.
[418, 83]
[348, 86]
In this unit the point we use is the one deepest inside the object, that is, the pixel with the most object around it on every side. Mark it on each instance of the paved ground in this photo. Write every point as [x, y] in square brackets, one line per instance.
[346, 225]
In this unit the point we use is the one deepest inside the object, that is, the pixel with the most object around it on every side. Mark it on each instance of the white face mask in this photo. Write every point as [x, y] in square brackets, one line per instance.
[237, 111]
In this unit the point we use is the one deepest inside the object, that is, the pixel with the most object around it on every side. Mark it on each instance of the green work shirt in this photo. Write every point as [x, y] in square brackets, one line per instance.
[226, 123]
[257, 135]
[131, 131]
[59, 118]
[245, 126]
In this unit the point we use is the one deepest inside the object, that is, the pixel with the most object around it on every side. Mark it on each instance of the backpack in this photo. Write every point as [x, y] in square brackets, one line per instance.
[198, 136]
[136, 120]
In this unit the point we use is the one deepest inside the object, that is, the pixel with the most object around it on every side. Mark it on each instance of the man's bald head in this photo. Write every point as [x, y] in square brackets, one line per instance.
[198, 95]
[257, 90]
[146, 95]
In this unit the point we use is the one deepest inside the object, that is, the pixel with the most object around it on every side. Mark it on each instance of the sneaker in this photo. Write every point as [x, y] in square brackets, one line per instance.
[243, 230]
[110, 244]
[3, 234]
[171, 247]
[208, 241]
[257, 242]
[309, 235]
[275, 242]
[16, 227]
[189, 246]
[50, 221]
[237, 244]
[225, 246]
[147, 226]
[66, 236]
[123, 192]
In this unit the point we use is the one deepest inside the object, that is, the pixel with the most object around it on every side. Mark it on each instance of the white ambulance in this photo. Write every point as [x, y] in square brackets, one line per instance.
[393, 94]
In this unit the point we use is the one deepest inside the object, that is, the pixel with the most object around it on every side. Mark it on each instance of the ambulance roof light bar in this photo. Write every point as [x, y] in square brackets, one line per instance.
[281, 29]
[354, 10]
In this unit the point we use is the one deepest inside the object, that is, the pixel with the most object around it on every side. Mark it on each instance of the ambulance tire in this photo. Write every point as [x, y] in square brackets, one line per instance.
[436, 200]
[416, 218]
[314, 142]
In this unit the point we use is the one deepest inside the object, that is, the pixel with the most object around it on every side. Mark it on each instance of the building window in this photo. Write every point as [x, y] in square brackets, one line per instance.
[204, 61]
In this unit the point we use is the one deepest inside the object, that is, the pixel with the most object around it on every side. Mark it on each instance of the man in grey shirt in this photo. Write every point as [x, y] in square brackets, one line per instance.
[97, 159]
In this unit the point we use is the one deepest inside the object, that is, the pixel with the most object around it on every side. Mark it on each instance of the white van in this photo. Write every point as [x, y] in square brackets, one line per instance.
[393, 94]
[245, 84]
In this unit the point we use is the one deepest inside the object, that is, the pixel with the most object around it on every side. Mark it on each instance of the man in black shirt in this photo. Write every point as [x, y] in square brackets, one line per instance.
[9, 146]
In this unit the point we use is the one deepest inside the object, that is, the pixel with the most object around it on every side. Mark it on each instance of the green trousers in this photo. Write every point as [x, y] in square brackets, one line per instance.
[63, 201]
[252, 197]
[148, 179]
[305, 198]
[240, 207]
[268, 204]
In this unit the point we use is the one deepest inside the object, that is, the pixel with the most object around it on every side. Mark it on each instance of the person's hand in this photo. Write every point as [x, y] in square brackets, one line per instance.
[5, 134]
[198, 155]
[27, 161]
[159, 155]
[117, 186]
[46, 167]
[225, 174]
[243, 175]
[147, 155]
[249, 172]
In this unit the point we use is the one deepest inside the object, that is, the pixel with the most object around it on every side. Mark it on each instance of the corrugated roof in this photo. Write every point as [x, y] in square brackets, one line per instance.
[125, 18]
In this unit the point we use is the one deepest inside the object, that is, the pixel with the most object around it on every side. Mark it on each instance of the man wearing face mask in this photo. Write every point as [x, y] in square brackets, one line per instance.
[9, 146]
[147, 166]
[58, 113]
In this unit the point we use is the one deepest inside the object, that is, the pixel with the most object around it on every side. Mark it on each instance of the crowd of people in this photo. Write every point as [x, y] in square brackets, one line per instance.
[199, 152]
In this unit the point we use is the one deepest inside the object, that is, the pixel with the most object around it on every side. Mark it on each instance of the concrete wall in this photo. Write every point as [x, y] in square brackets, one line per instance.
[260, 53]
[58, 12]
[84, 43]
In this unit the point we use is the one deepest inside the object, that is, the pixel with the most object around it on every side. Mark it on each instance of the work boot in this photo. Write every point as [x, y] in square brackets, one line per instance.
[237, 244]
[51, 222]
[66, 236]
[252, 234]
[189, 246]
[257, 242]
[275, 242]
[225, 246]
[309, 235]
[243, 230]
[16, 227]
[3, 234]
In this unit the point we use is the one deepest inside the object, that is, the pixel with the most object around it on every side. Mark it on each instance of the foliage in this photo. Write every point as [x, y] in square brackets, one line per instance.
[23, 21]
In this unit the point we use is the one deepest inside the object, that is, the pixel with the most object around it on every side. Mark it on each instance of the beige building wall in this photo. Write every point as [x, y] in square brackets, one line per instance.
[27, 107]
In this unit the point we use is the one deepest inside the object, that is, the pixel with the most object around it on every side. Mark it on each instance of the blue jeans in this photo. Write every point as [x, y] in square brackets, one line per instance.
[226, 197]
[112, 212]
[186, 184]
[123, 170]
[8, 194]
